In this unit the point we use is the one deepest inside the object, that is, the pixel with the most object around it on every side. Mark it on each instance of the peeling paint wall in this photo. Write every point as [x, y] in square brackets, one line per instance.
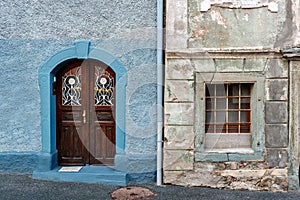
[221, 27]
[183, 166]
[296, 20]
[220, 38]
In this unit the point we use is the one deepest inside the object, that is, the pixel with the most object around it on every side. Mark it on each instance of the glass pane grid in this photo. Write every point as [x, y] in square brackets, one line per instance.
[71, 87]
[104, 87]
[228, 108]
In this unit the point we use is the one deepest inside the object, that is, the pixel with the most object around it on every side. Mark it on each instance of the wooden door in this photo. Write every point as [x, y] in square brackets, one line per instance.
[85, 113]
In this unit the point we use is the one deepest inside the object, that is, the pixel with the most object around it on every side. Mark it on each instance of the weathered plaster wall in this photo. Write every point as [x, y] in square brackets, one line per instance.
[221, 27]
[290, 33]
[32, 31]
[180, 166]
[294, 120]
[225, 26]
[221, 37]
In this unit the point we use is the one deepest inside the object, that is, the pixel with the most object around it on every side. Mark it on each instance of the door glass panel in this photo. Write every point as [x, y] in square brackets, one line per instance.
[71, 87]
[104, 87]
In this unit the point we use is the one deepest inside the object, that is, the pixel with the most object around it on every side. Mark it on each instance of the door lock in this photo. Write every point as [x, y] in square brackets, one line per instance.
[84, 116]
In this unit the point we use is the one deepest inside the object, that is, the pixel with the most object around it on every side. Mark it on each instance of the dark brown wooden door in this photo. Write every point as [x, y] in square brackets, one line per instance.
[85, 112]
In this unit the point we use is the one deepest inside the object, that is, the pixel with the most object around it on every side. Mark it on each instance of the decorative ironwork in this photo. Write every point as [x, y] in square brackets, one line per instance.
[71, 87]
[104, 87]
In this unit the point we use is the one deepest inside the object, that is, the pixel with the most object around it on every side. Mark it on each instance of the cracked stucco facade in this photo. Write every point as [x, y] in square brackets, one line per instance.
[205, 36]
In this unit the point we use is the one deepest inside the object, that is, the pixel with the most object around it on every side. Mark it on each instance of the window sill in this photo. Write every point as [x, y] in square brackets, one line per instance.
[231, 150]
[225, 155]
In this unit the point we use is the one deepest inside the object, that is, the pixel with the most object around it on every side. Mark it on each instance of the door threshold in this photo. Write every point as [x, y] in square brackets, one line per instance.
[87, 174]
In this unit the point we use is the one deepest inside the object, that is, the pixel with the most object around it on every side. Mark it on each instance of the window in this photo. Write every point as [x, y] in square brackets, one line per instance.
[228, 108]
[229, 116]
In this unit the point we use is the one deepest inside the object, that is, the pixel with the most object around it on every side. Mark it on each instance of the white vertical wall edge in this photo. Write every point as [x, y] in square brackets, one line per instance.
[160, 75]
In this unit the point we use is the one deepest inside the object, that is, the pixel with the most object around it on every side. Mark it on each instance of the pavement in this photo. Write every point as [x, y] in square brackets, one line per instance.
[19, 187]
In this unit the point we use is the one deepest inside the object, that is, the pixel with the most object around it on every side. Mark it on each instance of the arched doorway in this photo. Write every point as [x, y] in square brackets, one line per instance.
[48, 158]
[85, 113]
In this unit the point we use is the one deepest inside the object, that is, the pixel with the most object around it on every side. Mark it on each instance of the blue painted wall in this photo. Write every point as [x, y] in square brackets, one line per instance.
[32, 32]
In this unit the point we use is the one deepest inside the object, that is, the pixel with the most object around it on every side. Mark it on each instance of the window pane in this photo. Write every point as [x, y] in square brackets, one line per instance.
[221, 117]
[245, 116]
[233, 128]
[221, 104]
[245, 103]
[220, 129]
[210, 91]
[228, 111]
[245, 128]
[209, 129]
[221, 89]
[246, 87]
[233, 103]
[233, 90]
[210, 104]
[233, 116]
[209, 117]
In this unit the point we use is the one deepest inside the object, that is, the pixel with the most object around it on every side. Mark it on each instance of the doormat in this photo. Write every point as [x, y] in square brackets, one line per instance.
[70, 169]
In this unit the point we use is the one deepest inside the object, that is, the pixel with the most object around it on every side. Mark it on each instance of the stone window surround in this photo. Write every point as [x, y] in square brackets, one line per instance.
[258, 124]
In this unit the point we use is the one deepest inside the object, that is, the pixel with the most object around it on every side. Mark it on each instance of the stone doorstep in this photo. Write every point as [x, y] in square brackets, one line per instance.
[254, 173]
[88, 174]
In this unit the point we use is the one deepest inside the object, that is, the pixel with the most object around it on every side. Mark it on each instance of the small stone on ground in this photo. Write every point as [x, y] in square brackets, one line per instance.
[132, 193]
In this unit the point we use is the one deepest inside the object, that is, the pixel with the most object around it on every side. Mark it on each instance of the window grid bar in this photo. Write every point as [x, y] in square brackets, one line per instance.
[224, 110]
[240, 93]
[228, 125]
[215, 107]
[221, 97]
[220, 123]
[227, 108]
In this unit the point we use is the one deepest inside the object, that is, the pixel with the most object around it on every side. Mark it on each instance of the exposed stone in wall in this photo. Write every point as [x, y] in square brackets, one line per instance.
[179, 165]
[220, 37]
[231, 175]
[277, 135]
[276, 114]
[277, 89]
[179, 137]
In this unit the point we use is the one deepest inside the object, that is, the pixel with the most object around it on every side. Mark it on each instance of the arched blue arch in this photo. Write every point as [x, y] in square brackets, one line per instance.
[80, 50]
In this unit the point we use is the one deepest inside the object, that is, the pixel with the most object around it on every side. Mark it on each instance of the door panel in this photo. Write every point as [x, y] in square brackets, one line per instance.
[85, 113]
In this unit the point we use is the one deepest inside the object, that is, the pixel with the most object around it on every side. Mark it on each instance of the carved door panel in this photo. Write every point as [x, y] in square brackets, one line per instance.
[85, 101]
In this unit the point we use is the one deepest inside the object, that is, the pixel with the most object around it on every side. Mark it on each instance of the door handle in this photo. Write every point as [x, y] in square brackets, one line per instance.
[84, 116]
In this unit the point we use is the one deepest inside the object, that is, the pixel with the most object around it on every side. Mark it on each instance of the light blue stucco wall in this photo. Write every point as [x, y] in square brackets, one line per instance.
[32, 32]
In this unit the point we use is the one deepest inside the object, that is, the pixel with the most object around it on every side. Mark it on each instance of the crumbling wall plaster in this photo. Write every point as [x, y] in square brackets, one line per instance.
[180, 167]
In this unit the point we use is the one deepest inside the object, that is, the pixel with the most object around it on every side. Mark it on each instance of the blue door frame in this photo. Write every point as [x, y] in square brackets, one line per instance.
[46, 73]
